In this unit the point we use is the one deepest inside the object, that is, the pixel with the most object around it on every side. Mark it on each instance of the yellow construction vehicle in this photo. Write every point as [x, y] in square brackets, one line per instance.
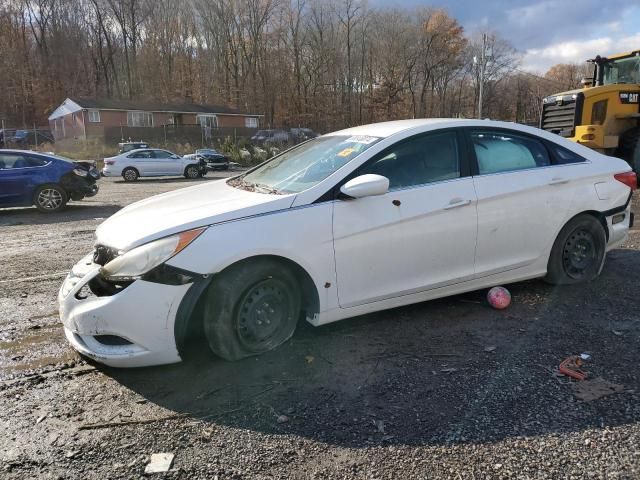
[605, 113]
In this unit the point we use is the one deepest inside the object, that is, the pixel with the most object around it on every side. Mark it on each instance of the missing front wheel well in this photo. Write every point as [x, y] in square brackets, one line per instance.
[190, 315]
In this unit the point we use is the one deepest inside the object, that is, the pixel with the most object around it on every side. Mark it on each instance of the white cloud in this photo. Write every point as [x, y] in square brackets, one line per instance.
[540, 59]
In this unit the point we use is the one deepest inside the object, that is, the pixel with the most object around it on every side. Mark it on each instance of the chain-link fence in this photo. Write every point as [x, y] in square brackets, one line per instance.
[35, 137]
[168, 135]
[101, 141]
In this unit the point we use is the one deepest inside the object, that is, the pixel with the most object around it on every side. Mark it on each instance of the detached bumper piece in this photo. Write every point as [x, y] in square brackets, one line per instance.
[122, 325]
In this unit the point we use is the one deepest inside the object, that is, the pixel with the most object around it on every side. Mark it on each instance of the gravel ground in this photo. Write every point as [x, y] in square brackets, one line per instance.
[442, 389]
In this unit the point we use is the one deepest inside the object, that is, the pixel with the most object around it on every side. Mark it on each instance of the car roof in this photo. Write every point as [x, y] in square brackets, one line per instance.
[409, 127]
[387, 129]
[30, 152]
[49, 155]
[138, 150]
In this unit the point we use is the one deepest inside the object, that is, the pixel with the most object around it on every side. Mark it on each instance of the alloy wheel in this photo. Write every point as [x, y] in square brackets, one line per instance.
[130, 175]
[50, 198]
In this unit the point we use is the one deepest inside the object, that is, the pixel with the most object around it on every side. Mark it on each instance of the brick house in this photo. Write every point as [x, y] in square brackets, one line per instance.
[82, 118]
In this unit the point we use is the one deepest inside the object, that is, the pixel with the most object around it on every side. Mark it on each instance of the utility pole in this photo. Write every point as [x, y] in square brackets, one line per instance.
[482, 67]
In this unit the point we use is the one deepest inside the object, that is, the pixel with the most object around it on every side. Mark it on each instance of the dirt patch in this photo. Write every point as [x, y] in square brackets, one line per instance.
[443, 389]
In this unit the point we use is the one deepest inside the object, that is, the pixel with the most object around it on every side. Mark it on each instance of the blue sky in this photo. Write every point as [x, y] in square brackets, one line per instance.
[548, 31]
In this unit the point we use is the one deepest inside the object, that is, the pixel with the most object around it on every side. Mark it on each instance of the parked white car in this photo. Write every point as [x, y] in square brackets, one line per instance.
[356, 221]
[150, 162]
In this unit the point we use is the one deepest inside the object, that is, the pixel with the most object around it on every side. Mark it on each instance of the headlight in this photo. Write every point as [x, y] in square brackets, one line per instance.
[81, 172]
[140, 260]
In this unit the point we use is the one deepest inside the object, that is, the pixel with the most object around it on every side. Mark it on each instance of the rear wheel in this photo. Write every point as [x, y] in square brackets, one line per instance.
[50, 198]
[629, 148]
[578, 252]
[130, 174]
[251, 309]
[192, 172]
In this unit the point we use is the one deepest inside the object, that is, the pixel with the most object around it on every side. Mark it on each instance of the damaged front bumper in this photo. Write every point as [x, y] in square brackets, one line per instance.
[132, 327]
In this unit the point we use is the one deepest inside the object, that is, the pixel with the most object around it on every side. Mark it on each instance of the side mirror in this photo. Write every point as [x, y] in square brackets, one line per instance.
[175, 157]
[366, 186]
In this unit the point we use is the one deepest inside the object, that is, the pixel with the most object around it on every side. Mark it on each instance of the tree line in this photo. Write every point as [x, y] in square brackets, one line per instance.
[324, 64]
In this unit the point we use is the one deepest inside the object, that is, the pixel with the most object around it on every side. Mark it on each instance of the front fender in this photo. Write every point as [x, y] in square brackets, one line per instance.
[302, 235]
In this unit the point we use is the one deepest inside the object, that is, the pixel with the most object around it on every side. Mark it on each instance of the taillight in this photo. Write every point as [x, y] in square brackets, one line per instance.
[628, 178]
[109, 162]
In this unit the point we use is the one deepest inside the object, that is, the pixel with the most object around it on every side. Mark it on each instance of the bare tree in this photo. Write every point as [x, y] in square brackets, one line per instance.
[319, 63]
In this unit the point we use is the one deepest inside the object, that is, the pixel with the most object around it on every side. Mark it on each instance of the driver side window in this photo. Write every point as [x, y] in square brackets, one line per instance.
[162, 154]
[418, 161]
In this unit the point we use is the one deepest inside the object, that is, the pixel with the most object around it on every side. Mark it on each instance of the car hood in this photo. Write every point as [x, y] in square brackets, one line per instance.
[184, 209]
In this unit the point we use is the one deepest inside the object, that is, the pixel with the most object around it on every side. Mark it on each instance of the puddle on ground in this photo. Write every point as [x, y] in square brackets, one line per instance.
[34, 349]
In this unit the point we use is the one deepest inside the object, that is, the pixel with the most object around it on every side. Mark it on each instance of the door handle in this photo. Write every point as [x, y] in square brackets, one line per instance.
[558, 181]
[456, 202]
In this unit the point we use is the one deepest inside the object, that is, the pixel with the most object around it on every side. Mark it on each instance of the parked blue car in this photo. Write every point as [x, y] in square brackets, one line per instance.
[44, 180]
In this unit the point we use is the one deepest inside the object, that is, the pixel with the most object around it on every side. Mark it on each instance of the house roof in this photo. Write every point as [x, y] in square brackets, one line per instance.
[78, 103]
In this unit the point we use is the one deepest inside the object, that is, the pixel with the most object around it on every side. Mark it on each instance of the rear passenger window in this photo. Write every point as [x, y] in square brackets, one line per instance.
[143, 154]
[505, 152]
[420, 160]
[563, 156]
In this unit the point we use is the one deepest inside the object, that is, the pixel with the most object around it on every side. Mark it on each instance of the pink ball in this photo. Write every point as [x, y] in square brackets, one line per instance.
[499, 298]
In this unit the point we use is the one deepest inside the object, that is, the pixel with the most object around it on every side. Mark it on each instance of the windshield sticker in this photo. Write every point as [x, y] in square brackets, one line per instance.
[346, 152]
[365, 139]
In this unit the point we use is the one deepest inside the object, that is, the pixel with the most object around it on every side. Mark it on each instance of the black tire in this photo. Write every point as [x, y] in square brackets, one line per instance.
[578, 252]
[629, 148]
[192, 172]
[251, 308]
[130, 174]
[50, 198]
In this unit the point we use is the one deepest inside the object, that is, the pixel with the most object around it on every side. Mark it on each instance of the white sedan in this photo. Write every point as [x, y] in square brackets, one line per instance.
[356, 221]
[150, 162]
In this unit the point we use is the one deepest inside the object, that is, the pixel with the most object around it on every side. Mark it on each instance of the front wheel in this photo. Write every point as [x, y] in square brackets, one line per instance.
[578, 252]
[192, 172]
[251, 309]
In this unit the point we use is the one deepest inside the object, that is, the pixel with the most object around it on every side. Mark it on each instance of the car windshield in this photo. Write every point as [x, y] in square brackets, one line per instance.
[624, 70]
[304, 166]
